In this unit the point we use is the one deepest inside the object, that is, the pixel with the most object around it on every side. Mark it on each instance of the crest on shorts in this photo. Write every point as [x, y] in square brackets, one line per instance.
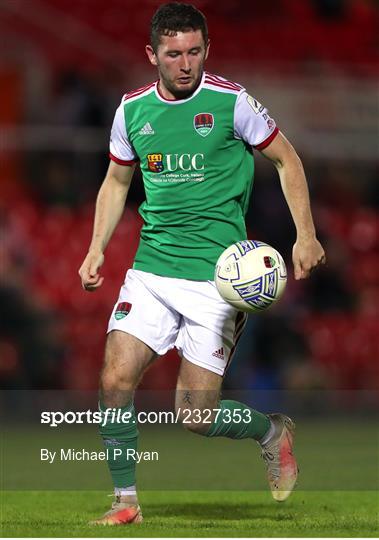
[155, 162]
[203, 123]
[122, 310]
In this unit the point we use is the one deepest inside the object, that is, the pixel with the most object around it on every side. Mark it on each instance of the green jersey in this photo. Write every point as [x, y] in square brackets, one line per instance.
[197, 165]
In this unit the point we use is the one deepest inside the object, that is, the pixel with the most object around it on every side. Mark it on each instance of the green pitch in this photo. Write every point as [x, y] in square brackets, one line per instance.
[332, 456]
[337, 493]
[201, 514]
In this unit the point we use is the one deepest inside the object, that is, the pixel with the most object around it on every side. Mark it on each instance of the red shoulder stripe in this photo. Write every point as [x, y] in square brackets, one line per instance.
[229, 83]
[219, 80]
[221, 85]
[137, 92]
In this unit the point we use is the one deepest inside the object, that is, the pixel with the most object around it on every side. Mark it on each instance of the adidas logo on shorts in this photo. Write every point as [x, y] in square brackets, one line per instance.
[219, 353]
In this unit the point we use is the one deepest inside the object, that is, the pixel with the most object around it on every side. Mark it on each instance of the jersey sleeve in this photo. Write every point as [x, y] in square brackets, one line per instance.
[120, 149]
[252, 123]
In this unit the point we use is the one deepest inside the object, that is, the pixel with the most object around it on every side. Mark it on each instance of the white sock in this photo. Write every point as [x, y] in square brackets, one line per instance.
[126, 491]
[268, 435]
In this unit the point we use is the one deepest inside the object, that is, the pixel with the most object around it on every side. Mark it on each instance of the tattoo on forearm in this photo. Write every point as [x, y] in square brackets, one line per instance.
[187, 398]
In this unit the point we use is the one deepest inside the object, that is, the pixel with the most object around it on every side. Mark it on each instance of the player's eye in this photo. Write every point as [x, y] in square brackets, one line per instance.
[172, 54]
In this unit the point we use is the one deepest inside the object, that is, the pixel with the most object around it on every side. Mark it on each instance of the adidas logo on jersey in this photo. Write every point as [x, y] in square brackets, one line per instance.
[219, 353]
[146, 130]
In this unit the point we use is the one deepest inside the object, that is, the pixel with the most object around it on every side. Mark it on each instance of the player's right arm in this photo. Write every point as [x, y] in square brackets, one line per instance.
[109, 208]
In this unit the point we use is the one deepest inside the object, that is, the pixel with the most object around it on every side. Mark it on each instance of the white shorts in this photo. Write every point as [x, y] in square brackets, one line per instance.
[166, 312]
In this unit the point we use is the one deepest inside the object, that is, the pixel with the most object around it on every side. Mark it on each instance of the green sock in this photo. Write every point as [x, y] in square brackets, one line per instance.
[238, 421]
[120, 435]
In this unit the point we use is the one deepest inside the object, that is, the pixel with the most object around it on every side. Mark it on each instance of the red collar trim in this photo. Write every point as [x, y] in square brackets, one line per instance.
[180, 100]
[162, 96]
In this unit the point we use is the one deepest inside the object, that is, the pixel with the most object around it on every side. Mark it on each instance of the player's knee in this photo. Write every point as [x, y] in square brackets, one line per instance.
[115, 392]
[199, 428]
[192, 420]
[113, 380]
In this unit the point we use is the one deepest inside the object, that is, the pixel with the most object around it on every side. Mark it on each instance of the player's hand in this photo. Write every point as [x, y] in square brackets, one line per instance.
[307, 255]
[89, 271]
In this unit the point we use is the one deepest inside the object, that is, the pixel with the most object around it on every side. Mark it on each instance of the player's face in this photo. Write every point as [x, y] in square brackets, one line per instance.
[180, 61]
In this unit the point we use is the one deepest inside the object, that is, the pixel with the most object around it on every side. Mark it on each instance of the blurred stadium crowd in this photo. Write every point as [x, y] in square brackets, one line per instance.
[67, 64]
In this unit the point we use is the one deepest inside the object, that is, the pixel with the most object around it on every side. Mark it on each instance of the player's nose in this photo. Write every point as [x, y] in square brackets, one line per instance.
[185, 64]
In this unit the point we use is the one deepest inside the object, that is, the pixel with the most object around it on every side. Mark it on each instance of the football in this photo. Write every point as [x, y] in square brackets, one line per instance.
[250, 275]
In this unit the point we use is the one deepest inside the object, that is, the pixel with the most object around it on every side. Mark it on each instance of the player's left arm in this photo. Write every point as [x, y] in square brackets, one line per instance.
[307, 252]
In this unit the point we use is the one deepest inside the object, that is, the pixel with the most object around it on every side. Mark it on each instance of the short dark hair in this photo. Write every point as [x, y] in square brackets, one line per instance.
[176, 17]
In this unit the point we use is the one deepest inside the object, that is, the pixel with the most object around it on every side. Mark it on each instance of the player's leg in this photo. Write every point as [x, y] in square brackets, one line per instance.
[126, 359]
[201, 410]
[207, 339]
[140, 328]
[197, 396]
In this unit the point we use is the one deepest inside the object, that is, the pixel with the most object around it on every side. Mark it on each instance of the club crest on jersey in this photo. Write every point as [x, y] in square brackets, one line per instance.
[155, 163]
[122, 310]
[203, 123]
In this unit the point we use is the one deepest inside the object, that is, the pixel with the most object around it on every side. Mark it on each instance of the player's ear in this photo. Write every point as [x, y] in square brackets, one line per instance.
[151, 55]
[207, 49]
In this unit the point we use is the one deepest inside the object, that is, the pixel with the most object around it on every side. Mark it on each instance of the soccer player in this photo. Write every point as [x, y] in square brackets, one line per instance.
[193, 134]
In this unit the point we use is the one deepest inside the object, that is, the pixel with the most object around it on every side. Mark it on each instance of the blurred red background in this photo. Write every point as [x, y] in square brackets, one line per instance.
[65, 67]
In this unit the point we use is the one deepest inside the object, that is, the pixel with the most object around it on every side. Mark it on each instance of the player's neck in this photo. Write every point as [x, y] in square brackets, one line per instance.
[170, 95]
